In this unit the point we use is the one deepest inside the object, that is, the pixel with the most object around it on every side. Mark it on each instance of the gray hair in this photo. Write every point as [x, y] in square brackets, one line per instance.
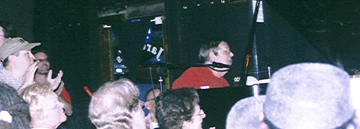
[112, 103]
[309, 96]
[245, 113]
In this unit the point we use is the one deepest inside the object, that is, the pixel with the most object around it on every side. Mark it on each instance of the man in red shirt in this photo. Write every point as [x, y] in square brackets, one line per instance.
[41, 75]
[208, 77]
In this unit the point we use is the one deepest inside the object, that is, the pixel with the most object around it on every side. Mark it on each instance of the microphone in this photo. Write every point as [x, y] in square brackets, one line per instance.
[218, 65]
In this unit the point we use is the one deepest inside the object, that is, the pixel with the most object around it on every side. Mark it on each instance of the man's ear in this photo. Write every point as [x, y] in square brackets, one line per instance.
[11, 58]
[212, 55]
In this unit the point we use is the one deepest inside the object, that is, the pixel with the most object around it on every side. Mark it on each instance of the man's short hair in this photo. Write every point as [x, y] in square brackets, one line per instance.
[205, 49]
[112, 103]
[309, 96]
[176, 106]
[11, 102]
[8, 29]
[245, 114]
[32, 94]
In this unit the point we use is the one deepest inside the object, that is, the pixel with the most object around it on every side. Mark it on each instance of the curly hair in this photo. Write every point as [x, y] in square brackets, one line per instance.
[32, 94]
[112, 103]
[176, 106]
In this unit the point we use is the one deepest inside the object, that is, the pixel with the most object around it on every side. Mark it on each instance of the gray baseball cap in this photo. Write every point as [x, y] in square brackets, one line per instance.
[309, 96]
[245, 114]
[13, 45]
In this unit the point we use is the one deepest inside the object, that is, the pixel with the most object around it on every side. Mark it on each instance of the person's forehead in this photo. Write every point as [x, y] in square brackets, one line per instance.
[151, 93]
[40, 55]
[24, 51]
[196, 108]
[48, 100]
[223, 45]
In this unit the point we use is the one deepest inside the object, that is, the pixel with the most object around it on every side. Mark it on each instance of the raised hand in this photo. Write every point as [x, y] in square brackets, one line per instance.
[56, 81]
[29, 74]
[60, 89]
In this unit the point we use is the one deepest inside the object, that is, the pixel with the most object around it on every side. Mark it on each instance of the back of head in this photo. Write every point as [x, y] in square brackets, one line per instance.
[14, 111]
[112, 103]
[176, 106]
[245, 114]
[32, 95]
[309, 96]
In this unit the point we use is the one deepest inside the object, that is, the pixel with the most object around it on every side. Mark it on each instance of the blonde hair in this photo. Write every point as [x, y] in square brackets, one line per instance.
[31, 95]
[112, 103]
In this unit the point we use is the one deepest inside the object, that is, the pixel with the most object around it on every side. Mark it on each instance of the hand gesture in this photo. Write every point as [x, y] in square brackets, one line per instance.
[60, 89]
[29, 74]
[56, 81]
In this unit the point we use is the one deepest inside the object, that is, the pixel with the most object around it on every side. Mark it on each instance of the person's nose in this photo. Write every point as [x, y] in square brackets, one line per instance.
[231, 54]
[203, 115]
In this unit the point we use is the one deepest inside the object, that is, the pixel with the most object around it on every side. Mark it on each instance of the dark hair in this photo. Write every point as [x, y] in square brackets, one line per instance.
[205, 49]
[8, 29]
[176, 106]
[148, 92]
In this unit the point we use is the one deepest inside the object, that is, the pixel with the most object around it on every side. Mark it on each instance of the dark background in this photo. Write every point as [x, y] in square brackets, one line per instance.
[294, 31]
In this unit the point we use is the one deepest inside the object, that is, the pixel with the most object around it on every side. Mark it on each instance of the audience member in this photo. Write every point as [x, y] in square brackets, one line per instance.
[14, 111]
[46, 110]
[246, 113]
[19, 66]
[150, 119]
[41, 76]
[179, 109]
[309, 96]
[208, 77]
[115, 105]
[6, 32]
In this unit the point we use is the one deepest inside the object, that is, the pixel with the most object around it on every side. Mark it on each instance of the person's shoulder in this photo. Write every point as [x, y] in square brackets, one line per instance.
[6, 88]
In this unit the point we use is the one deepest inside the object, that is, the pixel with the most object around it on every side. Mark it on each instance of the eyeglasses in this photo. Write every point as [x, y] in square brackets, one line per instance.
[150, 99]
